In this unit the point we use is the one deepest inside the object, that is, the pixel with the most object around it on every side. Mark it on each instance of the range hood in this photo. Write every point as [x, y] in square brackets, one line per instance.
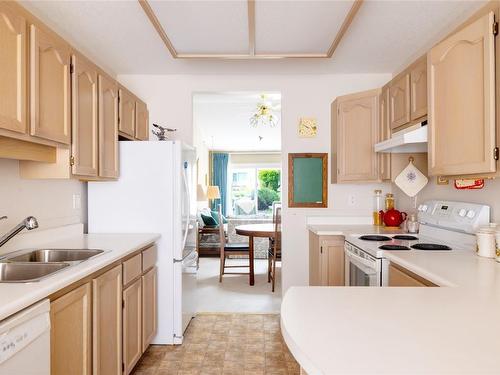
[411, 139]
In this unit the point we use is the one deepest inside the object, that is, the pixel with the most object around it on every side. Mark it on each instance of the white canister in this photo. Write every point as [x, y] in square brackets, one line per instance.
[486, 246]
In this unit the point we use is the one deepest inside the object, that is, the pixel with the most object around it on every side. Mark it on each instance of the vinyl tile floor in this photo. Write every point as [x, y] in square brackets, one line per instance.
[224, 344]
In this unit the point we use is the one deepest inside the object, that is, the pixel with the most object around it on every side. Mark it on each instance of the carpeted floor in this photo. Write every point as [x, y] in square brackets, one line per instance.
[220, 344]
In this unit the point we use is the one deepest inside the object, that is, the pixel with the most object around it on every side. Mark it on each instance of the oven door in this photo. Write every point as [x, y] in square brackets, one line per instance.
[361, 269]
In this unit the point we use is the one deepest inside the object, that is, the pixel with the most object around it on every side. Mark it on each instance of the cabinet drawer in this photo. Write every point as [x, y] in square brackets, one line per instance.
[149, 258]
[132, 269]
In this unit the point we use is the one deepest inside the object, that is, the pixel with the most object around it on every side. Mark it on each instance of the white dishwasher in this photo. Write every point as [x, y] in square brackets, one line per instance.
[25, 342]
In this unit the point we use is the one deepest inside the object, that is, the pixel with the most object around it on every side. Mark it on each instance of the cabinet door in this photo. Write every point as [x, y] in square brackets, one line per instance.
[148, 308]
[132, 325]
[399, 276]
[107, 322]
[384, 134]
[399, 101]
[70, 333]
[358, 133]
[127, 113]
[108, 127]
[12, 70]
[314, 260]
[461, 82]
[335, 262]
[142, 121]
[418, 90]
[49, 86]
[84, 111]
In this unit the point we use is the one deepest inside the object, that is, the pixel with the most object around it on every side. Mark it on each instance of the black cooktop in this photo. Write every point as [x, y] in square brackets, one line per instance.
[393, 247]
[430, 246]
[374, 237]
[405, 237]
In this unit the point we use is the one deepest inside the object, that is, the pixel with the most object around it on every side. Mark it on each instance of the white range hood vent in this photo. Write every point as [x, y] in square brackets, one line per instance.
[411, 139]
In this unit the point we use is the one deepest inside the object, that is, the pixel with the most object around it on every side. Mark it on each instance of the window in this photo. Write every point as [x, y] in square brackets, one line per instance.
[252, 190]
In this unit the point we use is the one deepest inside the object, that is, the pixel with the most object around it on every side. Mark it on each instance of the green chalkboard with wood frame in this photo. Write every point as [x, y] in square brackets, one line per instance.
[307, 180]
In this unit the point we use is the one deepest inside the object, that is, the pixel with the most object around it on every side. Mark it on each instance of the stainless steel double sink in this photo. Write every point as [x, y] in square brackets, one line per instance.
[25, 266]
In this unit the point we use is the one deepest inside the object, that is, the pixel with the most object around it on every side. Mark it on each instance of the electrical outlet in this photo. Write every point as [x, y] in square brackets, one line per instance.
[351, 200]
[77, 201]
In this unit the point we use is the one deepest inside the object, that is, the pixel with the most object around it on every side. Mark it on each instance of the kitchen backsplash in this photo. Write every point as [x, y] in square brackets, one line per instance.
[52, 202]
[489, 195]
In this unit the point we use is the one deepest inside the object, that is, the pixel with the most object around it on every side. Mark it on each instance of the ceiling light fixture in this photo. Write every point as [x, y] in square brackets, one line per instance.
[264, 113]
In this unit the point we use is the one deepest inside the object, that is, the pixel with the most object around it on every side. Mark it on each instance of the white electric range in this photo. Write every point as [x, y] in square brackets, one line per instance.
[444, 226]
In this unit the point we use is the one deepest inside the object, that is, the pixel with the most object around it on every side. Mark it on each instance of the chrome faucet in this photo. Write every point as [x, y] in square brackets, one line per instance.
[29, 223]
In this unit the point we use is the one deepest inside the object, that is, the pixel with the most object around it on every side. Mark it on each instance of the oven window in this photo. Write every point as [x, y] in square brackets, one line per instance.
[359, 278]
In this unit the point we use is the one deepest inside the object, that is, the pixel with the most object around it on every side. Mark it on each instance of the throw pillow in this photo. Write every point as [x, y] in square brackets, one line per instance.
[215, 215]
[208, 220]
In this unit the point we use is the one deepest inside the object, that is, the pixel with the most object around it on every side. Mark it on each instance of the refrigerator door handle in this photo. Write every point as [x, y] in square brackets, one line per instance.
[188, 214]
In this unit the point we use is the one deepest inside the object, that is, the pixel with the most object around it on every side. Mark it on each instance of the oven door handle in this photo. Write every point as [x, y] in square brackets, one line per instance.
[370, 265]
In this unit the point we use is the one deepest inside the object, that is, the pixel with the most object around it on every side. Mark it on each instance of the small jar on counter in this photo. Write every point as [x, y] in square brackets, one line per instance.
[377, 207]
[389, 201]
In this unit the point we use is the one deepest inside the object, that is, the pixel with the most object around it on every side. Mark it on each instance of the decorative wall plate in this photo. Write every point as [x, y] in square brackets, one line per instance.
[308, 127]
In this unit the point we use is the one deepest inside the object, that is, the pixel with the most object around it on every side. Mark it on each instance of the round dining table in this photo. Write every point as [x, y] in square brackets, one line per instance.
[265, 230]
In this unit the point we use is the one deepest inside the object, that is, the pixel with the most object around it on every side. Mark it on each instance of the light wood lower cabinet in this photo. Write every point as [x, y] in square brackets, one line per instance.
[355, 131]
[132, 325]
[71, 333]
[149, 306]
[13, 69]
[326, 260]
[399, 276]
[462, 125]
[50, 59]
[107, 322]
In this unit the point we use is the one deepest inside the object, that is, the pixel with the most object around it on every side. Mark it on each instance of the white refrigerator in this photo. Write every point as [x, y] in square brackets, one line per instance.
[156, 194]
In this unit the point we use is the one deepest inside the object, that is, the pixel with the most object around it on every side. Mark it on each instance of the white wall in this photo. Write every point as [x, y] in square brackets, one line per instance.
[50, 201]
[169, 99]
[489, 195]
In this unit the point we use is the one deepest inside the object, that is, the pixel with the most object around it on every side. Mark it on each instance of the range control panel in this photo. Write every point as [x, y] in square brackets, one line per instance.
[462, 216]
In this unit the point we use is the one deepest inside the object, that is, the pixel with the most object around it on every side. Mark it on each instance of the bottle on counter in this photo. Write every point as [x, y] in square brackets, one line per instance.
[377, 207]
[389, 202]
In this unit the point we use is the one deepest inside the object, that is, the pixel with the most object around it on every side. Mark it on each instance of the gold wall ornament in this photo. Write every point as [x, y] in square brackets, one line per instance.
[308, 127]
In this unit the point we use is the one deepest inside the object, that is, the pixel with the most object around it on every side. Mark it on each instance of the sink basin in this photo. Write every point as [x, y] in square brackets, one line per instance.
[53, 255]
[28, 272]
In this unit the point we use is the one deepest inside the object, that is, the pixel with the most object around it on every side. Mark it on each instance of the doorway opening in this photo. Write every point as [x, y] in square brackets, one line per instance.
[237, 136]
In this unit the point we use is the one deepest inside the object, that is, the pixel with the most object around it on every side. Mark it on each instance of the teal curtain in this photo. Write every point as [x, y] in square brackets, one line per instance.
[219, 178]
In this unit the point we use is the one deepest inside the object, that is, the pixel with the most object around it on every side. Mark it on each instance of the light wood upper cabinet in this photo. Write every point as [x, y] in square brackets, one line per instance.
[49, 86]
[85, 121]
[108, 127]
[127, 112]
[71, 333]
[13, 69]
[418, 89]
[107, 322]
[354, 134]
[132, 325]
[142, 121]
[461, 79]
[384, 134]
[149, 303]
[399, 101]
[326, 260]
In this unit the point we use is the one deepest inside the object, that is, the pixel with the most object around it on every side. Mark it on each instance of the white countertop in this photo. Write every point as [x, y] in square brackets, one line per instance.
[16, 296]
[344, 230]
[359, 330]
